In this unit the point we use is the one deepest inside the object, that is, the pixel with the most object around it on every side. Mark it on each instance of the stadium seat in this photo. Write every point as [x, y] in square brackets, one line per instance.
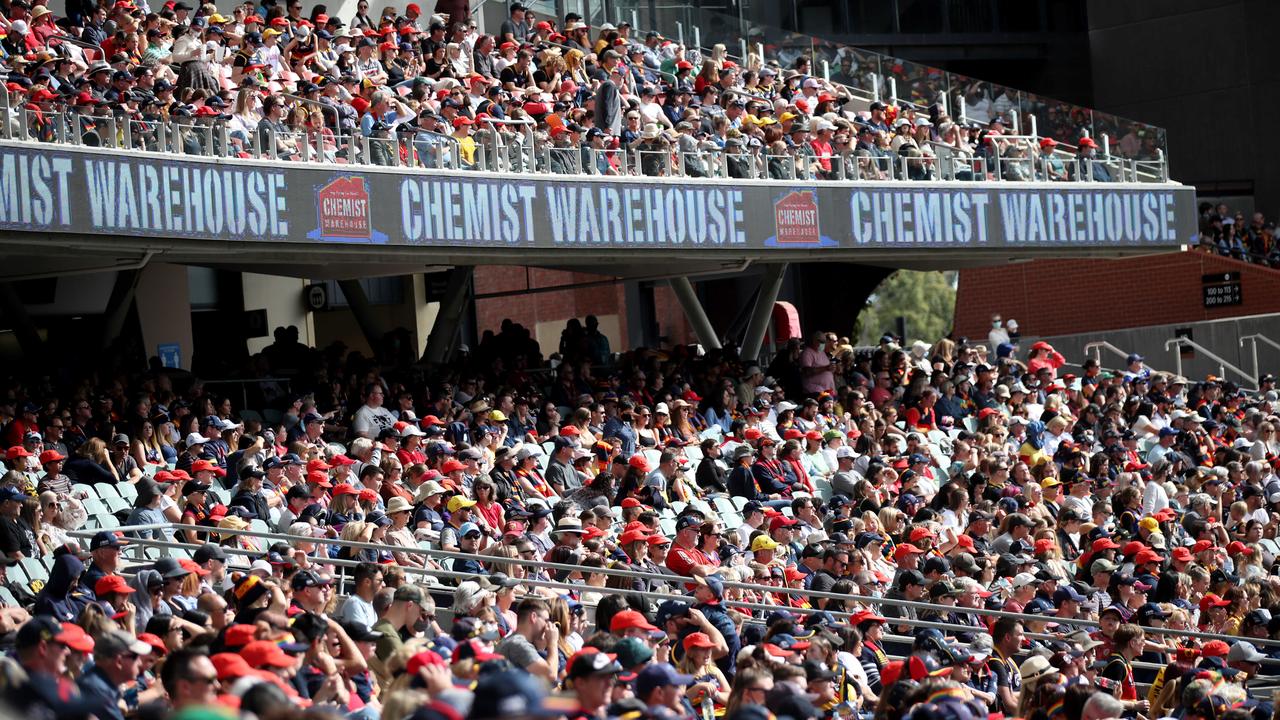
[724, 505]
[739, 501]
[34, 569]
[109, 491]
[128, 491]
[94, 506]
[86, 490]
[678, 507]
[668, 526]
[7, 598]
[117, 504]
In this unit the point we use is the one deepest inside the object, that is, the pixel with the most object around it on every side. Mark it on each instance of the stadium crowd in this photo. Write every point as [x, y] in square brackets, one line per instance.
[539, 95]
[779, 522]
[1227, 233]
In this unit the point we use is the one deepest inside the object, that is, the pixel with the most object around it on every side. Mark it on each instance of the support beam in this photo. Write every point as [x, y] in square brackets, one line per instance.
[118, 306]
[15, 313]
[693, 310]
[444, 333]
[368, 321]
[762, 313]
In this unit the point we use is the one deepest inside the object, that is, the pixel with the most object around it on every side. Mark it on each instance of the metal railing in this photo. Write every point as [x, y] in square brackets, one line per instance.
[508, 146]
[1223, 366]
[1253, 339]
[1097, 346]
[676, 580]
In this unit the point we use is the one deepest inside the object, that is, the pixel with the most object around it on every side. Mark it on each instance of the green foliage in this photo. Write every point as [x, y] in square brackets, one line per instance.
[927, 300]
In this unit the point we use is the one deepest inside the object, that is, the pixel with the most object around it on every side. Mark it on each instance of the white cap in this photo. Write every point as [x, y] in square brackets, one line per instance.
[1023, 579]
[844, 451]
[662, 408]
[412, 429]
[261, 565]
[196, 438]
[786, 405]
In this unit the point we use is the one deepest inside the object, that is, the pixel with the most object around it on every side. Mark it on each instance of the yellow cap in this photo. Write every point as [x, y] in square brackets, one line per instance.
[764, 542]
[497, 416]
[457, 502]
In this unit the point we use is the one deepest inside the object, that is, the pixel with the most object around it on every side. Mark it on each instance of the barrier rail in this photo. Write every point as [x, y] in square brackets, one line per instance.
[512, 146]
[1254, 338]
[1097, 346]
[1223, 365]
[635, 574]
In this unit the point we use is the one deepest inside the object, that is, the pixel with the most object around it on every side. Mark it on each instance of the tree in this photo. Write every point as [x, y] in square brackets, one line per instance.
[926, 301]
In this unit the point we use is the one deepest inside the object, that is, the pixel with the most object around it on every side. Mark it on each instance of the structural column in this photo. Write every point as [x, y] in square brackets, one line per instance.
[693, 309]
[444, 333]
[762, 313]
[363, 311]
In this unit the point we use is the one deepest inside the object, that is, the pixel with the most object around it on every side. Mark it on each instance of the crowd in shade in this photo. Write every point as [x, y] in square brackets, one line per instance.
[1227, 233]
[540, 95]
[954, 531]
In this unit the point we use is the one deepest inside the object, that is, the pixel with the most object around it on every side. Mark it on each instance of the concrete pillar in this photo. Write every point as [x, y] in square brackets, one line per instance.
[118, 306]
[425, 313]
[762, 313]
[12, 309]
[282, 298]
[365, 316]
[693, 309]
[164, 309]
[443, 339]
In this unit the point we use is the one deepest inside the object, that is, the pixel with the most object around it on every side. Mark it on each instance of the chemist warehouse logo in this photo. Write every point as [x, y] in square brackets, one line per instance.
[795, 217]
[343, 213]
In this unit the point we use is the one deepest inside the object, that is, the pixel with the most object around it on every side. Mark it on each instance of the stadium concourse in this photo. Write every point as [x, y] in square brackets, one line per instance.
[929, 531]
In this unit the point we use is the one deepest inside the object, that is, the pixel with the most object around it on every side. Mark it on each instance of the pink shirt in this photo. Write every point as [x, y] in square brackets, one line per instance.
[817, 382]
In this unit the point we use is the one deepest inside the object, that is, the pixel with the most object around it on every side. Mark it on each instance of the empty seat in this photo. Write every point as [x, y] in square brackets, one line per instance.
[109, 491]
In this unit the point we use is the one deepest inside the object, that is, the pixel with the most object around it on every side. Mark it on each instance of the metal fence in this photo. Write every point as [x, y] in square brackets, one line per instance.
[513, 147]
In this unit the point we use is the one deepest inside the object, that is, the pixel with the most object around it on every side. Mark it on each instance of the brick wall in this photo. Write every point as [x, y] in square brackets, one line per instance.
[554, 308]
[1063, 297]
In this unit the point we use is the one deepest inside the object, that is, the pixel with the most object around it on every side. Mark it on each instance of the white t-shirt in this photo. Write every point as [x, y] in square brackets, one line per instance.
[369, 421]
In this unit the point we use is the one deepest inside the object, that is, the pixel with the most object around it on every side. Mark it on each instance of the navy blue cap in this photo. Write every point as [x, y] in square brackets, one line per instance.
[778, 616]
[654, 676]
[291, 459]
[687, 521]
[669, 609]
[1065, 593]
[509, 693]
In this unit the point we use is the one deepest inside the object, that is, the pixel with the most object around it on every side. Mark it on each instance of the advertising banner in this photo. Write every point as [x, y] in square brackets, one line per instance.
[54, 189]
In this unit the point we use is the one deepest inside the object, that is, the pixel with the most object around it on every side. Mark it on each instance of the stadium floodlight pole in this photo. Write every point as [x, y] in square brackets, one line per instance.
[745, 53]
[697, 36]
[680, 32]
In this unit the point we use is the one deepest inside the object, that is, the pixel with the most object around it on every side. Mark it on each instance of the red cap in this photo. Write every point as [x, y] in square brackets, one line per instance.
[192, 566]
[544, 25]
[203, 465]
[431, 420]
[264, 653]
[631, 536]
[1211, 600]
[318, 464]
[342, 460]
[698, 640]
[74, 637]
[1048, 142]
[155, 642]
[16, 452]
[569, 430]
[920, 532]
[781, 521]
[752, 433]
[1131, 548]
[413, 8]
[906, 549]
[631, 503]
[1238, 548]
[1181, 554]
[49, 456]
[368, 496]
[280, 22]
[639, 462]
[426, 658]
[1145, 556]
[239, 635]
[792, 574]
[319, 477]
[684, 65]
[452, 465]
[344, 489]
[1105, 543]
[1087, 142]
[1201, 546]
[230, 666]
[628, 619]
[1215, 648]
[865, 616]
[792, 434]
[1043, 545]
[111, 584]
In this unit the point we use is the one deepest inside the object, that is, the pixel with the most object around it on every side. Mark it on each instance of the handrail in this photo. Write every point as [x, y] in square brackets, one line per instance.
[215, 140]
[679, 579]
[1098, 345]
[1257, 369]
[1223, 365]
